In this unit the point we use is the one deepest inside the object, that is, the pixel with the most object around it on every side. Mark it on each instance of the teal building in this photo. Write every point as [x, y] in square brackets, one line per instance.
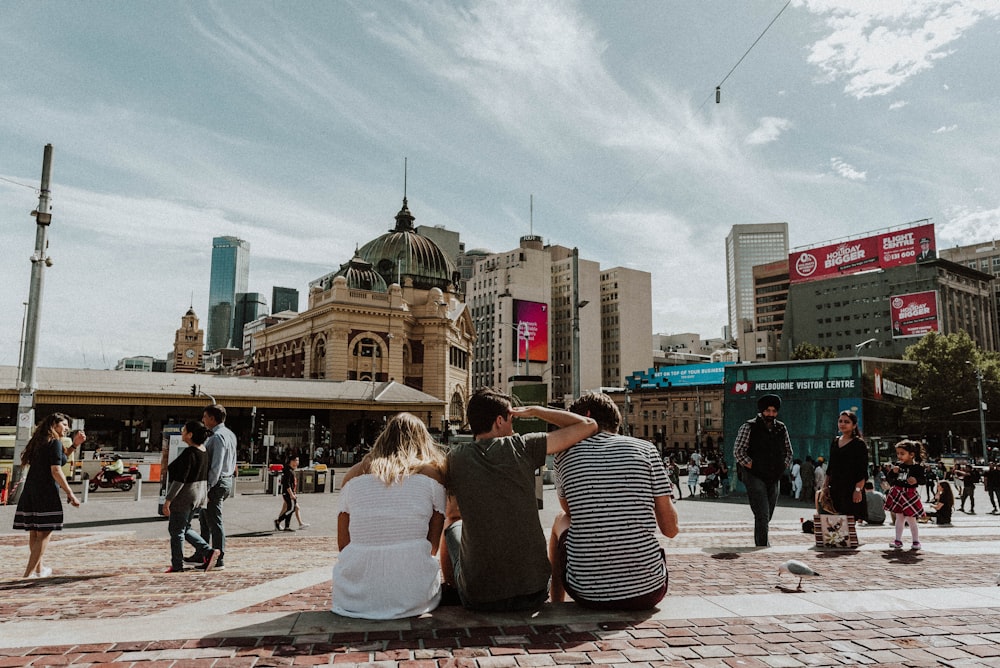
[814, 392]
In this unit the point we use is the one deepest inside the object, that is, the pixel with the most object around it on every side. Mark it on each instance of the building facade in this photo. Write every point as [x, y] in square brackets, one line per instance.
[762, 342]
[392, 313]
[507, 289]
[230, 276]
[746, 247]
[855, 311]
[984, 257]
[626, 324]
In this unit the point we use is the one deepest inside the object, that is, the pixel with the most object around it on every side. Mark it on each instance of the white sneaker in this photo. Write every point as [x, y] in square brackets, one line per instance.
[46, 572]
[303, 526]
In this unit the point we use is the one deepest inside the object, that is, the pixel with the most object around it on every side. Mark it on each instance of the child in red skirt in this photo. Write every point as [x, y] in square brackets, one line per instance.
[903, 499]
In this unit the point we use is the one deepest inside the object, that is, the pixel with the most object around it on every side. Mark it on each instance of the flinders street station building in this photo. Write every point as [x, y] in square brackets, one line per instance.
[392, 313]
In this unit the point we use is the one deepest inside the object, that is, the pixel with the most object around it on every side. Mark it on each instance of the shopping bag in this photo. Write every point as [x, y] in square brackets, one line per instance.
[835, 531]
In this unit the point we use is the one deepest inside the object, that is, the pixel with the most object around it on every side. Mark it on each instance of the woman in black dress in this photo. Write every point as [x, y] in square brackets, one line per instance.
[847, 471]
[39, 510]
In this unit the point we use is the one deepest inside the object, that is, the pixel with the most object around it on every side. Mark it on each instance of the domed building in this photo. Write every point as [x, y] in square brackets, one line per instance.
[393, 313]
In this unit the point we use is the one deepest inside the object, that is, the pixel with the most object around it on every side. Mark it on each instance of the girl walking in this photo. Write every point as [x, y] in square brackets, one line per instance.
[906, 476]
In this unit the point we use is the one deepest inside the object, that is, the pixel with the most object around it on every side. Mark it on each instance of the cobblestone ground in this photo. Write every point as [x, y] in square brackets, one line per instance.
[109, 577]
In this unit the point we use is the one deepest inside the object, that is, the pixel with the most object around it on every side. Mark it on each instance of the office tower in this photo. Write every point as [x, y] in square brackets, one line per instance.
[284, 299]
[746, 247]
[249, 307]
[230, 275]
[626, 310]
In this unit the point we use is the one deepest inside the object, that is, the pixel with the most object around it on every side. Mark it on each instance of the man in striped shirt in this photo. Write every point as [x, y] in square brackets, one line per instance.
[615, 494]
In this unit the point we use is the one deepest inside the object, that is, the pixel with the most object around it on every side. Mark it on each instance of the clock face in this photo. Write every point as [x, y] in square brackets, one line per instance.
[189, 353]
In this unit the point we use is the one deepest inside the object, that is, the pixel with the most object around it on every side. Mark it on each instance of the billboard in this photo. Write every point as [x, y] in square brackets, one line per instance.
[913, 314]
[679, 376]
[532, 323]
[879, 251]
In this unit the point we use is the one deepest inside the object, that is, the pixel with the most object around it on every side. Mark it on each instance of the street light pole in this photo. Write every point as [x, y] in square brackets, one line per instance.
[39, 261]
[982, 417]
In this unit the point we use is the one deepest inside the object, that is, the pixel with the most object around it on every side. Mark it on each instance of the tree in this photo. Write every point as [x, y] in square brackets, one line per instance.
[946, 385]
[810, 351]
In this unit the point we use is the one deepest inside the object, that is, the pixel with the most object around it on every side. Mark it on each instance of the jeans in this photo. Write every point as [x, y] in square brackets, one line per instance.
[763, 496]
[179, 527]
[212, 529]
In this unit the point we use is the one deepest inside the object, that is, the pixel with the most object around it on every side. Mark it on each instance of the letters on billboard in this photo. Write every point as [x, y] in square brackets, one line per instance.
[880, 251]
[532, 322]
[913, 314]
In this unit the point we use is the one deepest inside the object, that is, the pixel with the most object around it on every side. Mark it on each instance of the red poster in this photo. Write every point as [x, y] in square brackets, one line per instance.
[914, 314]
[891, 249]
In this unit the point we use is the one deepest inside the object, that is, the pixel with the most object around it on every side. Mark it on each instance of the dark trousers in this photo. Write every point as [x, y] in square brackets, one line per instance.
[763, 497]
[286, 517]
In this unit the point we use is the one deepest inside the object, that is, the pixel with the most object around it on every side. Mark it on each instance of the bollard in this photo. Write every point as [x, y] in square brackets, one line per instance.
[86, 492]
[138, 489]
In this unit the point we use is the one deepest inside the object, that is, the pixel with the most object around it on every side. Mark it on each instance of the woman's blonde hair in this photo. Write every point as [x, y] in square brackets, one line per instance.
[403, 448]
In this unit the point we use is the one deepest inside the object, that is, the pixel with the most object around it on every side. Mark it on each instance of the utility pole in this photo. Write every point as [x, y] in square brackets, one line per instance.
[27, 383]
[576, 323]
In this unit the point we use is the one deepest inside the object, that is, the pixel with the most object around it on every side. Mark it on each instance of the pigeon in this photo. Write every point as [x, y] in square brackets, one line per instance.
[796, 568]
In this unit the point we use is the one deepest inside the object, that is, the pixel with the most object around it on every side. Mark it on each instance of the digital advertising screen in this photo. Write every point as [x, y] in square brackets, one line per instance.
[532, 322]
[913, 314]
[879, 251]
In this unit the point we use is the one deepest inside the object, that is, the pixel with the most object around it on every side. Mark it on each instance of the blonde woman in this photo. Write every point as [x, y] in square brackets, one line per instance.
[389, 526]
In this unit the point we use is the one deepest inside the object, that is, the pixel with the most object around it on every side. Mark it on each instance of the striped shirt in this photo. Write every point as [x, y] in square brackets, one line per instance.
[609, 483]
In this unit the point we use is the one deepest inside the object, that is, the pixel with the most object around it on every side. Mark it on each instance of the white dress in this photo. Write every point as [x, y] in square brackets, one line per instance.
[387, 571]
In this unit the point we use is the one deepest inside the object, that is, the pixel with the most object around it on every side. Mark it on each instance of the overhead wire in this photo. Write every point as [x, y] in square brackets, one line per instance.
[704, 102]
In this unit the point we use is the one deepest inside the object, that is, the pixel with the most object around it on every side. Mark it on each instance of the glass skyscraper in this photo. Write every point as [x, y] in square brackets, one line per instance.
[230, 275]
[284, 299]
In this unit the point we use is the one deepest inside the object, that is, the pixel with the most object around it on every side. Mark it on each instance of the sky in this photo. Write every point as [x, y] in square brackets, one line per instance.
[287, 124]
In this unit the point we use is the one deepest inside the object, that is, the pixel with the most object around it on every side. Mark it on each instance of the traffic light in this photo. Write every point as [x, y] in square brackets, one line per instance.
[194, 390]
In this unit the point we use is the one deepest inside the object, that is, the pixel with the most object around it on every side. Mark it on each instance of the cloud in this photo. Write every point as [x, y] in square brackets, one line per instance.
[965, 226]
[875, 47]
[841, 168]
[769, 129]
[945, 128]
[898, 104]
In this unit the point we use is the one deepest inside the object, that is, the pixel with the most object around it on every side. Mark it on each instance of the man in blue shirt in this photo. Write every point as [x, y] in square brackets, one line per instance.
[221, 448]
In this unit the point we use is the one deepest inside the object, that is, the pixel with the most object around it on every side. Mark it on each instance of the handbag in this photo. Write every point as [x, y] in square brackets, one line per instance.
[823, 502]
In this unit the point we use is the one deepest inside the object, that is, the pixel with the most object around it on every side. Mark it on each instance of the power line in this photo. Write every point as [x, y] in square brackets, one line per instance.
[702, 105]
[16, 183]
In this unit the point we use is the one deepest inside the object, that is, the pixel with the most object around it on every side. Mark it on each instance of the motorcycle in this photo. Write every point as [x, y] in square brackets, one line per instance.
[122, 481]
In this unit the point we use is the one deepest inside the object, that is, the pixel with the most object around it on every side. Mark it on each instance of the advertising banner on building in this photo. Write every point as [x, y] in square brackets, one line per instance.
[913, 314]
[532, 322]
[879, 251]
[679, 376]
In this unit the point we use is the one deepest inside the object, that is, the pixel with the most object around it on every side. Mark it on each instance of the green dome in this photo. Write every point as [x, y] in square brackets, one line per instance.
[403, 253]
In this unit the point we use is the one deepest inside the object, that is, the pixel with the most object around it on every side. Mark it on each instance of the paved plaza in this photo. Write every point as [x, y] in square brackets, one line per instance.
[109, 601]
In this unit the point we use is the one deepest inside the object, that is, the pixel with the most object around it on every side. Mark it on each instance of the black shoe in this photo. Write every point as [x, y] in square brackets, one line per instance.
[194, 559]
[277, 525]
[211, 561]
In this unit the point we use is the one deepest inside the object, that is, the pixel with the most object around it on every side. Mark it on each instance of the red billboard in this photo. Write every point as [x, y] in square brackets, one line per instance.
[880, 251]
[913, 314]
[532, 326]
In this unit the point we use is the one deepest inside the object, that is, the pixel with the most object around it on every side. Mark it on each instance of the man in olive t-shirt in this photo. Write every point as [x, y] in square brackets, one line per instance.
[494, 551]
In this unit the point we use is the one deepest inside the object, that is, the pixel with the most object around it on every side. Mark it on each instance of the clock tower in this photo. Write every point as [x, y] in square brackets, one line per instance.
[189, 343]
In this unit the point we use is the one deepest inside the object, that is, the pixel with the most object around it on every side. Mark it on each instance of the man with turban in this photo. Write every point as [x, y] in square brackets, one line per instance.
[763, 452]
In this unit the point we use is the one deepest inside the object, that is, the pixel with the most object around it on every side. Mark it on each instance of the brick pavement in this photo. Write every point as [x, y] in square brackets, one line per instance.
[872, 606]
